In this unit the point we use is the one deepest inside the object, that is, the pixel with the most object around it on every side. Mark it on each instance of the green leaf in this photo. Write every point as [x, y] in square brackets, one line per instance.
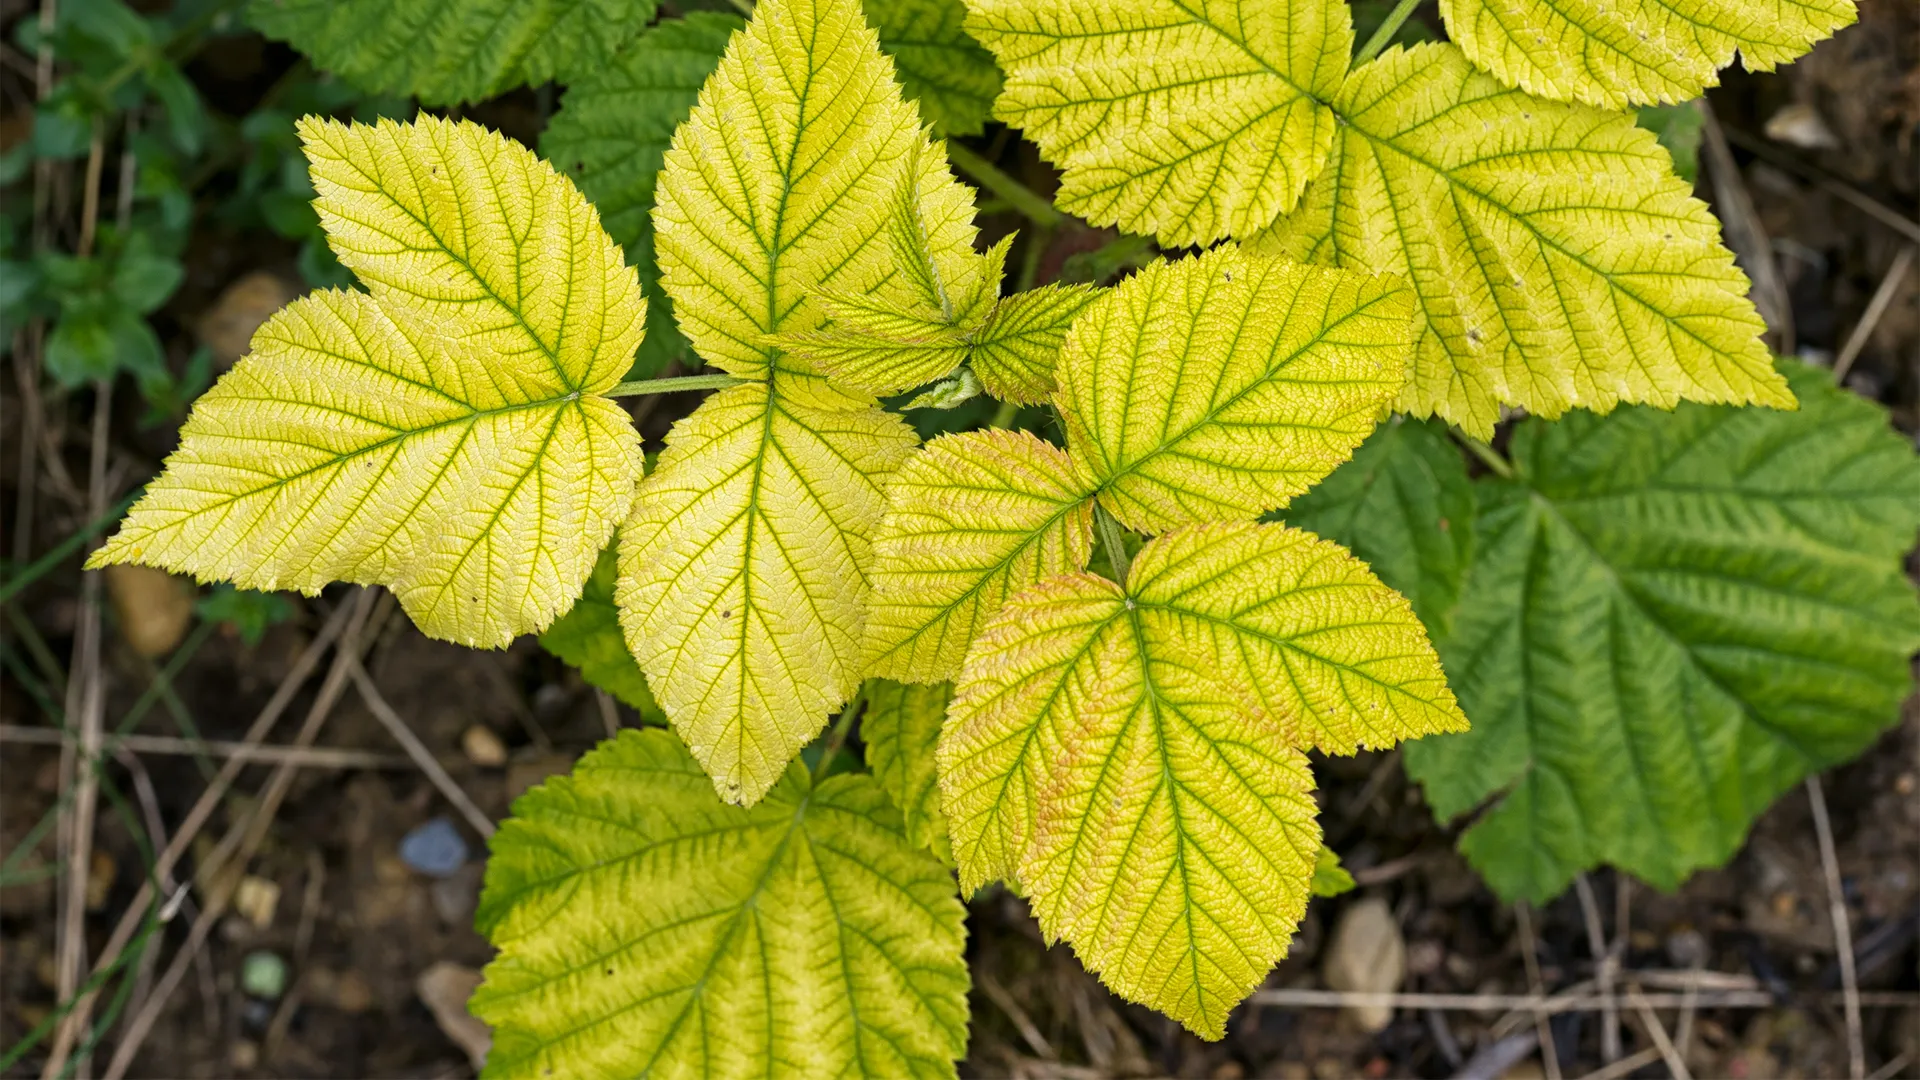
[443, 433]
[1404, 506]
[743, 569]
[611, 135]
[945, 71]
[1329, 877]
[970, 519]
[1635, 52]
[448, 51]
[1127, 756]
[1678, 127]
[244, 612]
[1188, 123]
[901, 727]
[645, 929]
[589, 638]
[1218, 387]
[1671, 619]
[1555, 260]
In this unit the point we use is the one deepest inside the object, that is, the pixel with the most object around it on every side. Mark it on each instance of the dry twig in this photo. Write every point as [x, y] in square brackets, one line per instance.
[1876, 307]
[1842, 929]
[1657, 1031]
[1602, 971]
[312, 757]
[417, 750]
[1549, 1053]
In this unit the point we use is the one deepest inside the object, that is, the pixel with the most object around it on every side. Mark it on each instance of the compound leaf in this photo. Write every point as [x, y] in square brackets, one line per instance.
[783, 183]
[589, 638]
[448, 51]
[1634, 52]
[743, 573]
[1555, 260]
[901, 728]
[1186, 122]
[1404, 506]
[645, 929]
[1119, 767]
[1671, 619]
[444, 434]
[945, 71]
[611, 134]
[1219, 386]
[970, 519]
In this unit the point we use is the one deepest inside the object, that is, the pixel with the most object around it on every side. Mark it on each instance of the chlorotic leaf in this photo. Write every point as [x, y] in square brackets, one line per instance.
[1219, 386]
[1555, 260]
[448, 51]
[970, 519]
[1185, 122]
[589, 638]
[1015, 352]
[443, 434]
[1329, 877]
[1404, 506]
[743, 573]
[901, 727]
[1634, 52]
[783, 184]
[1672, 618]
[949, 393]
[611, 134]
[945, 71]
[1117, 765]
[646, 930]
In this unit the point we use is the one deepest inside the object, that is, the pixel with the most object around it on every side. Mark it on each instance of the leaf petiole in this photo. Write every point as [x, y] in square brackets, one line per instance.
[1031, 205]
[1114, 539]
[669, 386]
[1391, 26]
[838, 736]
[1488, 456]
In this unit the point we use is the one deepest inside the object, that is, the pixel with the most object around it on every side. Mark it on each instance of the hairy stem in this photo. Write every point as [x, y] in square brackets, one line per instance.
[668, 386]
[1018, 195]
[1114, 539]
[1391, 26]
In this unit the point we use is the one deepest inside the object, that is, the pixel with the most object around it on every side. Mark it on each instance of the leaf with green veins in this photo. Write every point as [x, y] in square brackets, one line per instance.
[645, 929]
[443, 433]
[743, 573]
[1555, 260]
[588, 637]
[944, 70]
[1404, 505]
[1014, 354]
[901, 727]
[1671, 619]
[1329, 877]
[1137, 777]
[743, 567]
[782, 185]
[611, 135]
[970, 519]
[449, 51]
[1218, 387]
[1186, 122]
[1635, 52]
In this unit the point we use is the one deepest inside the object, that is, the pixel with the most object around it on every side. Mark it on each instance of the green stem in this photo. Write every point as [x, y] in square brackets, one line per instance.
[51, 559]
[1390, 27]
[668, 386]
[838, 736]
[1018, 195]
[1005, 415]
[1115, 541]
[1488, 456]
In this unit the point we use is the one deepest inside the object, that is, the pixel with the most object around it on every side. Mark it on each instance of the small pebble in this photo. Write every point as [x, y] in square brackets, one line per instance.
[436, 848]
[483, 747]
[257, 899]
[263, 975]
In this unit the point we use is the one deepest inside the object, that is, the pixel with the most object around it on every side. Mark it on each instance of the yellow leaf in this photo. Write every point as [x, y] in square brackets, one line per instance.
[901, 728]
[970, 519]
[1555, 259]
[1134, 775]
[1218, 387]
[444, 434]
[1634, 52]
[1014, 354]
[743, 573]
[1188, 122]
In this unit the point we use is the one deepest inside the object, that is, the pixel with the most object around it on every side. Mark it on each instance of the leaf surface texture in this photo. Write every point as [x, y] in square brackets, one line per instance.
[590, 639]
[901, 728]
[940, 66]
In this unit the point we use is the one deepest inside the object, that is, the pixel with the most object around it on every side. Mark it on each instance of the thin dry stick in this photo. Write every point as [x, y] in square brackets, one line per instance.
[1626, 1066]
[348, 613]
[1562, 1003]
[1842, 929]
[1761, 148]
[1683, 1036]
[86, 700]
[1876, 307]
[1892, 1068]
[1022, 1023]
[1658, 1033]
[609, 712]
[417, 750]
[246, 836]
[157, 837]
[314, 757]
[1745, 233]
[1549, 1053]
[1603, 969]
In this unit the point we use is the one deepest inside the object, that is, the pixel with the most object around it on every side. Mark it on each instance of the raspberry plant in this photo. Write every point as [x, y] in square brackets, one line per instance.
[1656, 619]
